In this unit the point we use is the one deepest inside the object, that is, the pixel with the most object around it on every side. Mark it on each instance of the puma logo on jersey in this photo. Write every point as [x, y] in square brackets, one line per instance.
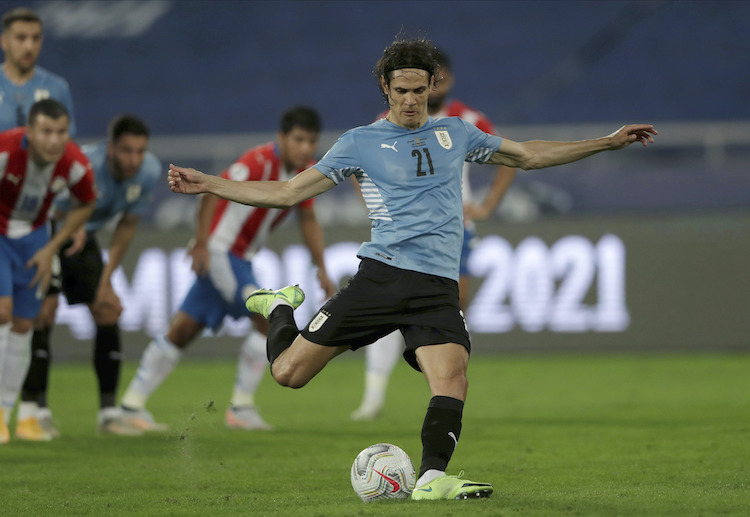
[13, 179]
[386, 146]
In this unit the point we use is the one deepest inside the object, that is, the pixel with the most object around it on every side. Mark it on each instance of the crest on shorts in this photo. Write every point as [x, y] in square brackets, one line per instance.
[318, 321]
[132, 193]
[444, 138]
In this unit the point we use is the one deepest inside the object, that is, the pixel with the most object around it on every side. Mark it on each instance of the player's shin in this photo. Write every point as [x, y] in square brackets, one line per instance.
[157, 362]
[17, 358]
[107, 359]
[282, 332]
[35, 385]
[250, 369]
[440, 432]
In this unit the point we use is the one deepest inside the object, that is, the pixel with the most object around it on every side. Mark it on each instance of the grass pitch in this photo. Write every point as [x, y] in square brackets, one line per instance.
[557, 435]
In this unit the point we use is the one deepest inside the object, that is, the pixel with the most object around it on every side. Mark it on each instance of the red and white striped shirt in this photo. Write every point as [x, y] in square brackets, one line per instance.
[242, 229]
[27, 190]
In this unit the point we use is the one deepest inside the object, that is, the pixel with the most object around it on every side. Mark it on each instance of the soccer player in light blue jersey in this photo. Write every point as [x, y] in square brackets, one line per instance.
[22, 82]
[409, 169]
[126, 176]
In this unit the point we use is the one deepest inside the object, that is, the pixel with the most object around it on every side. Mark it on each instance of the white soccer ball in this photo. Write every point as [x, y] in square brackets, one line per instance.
[383, 471]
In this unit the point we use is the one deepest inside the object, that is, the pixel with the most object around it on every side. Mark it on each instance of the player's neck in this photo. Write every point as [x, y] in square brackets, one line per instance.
[16, 75]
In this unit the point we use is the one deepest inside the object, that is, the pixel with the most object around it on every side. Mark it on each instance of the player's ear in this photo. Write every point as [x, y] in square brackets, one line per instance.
[383, 85]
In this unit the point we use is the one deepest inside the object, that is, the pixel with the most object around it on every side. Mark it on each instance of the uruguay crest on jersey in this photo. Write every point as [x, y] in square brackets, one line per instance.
[444, 138]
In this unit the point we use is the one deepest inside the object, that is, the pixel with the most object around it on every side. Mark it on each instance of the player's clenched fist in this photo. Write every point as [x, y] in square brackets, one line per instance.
[184, 180]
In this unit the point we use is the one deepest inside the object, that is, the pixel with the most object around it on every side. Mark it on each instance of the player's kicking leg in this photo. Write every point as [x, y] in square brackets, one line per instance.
[294, 360]
[444, 367]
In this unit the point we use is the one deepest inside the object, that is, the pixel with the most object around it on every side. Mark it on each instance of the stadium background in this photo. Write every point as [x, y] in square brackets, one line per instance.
[211, 79]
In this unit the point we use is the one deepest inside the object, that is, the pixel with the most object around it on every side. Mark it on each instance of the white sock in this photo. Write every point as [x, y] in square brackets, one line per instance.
[380, 359]
[27, 409]
[157, 362]
[251, 367]
[429, 476]
[16, 365]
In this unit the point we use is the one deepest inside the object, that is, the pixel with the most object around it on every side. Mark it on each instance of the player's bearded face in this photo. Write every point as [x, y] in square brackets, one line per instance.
[297, 147]
[47, 138]
[126, 155]
[21, 44]
[407, 93]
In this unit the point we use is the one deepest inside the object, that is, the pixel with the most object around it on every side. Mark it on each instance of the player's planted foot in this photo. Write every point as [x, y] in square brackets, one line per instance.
[44, 415]
[367, 411]
[30, 430]
[247, 418]
[451, 487]
[263, 301]
[141, 419]
[112, 421]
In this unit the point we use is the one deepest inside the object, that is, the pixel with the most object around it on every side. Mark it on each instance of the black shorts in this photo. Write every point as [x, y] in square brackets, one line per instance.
[79, 274]
[380, 299]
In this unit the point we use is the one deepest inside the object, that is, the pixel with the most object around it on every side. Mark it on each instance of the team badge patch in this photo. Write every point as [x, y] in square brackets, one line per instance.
[57, 185]
[41, 94]
[443, 138]
[132, 193]
[318, 321]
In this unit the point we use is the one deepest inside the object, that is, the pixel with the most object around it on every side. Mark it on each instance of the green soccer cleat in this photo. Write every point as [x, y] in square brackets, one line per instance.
[451, 487]
[260, 301]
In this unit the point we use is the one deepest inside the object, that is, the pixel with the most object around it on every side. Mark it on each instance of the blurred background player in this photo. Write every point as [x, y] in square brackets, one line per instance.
[228, 236]
[381, 357]
[22, 82]
[39, 161]
[126, 177]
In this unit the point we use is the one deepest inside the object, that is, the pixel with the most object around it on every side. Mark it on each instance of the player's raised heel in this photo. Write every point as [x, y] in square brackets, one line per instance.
[262, 300]
[451, 487]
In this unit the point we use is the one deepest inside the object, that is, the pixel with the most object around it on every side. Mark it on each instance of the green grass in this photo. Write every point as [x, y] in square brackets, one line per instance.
[556, 435]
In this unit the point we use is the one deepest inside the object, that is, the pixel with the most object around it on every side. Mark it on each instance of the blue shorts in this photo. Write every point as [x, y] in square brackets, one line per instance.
[222, 292]
[15, 277]
[469, 242]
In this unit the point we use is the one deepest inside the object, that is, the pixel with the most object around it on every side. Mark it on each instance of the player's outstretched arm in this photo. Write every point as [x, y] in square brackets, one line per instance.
[266, 194]
[537, 154]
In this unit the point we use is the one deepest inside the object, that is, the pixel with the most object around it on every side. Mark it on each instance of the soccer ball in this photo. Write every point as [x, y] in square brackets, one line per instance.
[383, 471]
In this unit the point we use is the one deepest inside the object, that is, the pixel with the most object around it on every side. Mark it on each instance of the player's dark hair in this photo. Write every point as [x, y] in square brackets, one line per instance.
[405, 53]
[302, 117]
[126, 125]
[19, 14]
[49, 108]
[442, 59]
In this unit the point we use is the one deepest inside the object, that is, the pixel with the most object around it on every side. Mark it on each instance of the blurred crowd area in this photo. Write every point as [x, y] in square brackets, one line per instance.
[212, 77]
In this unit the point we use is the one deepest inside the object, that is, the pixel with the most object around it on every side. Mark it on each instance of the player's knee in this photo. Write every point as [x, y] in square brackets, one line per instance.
[288, 376]
[46, 317]
[21, 325]
[6, 313]
[105, 316]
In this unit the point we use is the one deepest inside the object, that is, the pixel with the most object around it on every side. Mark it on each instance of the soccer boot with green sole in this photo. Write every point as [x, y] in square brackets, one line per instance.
[261, 301]
[451, 487]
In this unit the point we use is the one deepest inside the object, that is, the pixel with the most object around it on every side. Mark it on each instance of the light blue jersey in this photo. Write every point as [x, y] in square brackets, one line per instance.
[16, 101]
[114, 197]
[411, 183]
